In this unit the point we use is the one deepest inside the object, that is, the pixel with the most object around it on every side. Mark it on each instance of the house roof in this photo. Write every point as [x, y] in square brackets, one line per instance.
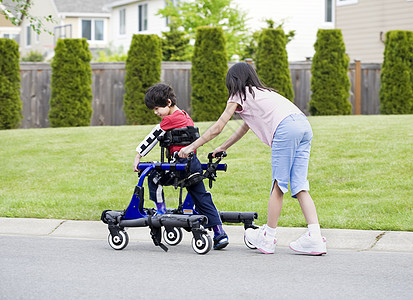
[81, 6]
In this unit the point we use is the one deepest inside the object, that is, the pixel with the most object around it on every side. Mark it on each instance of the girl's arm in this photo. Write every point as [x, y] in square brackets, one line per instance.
[235, 137]
[212, 132]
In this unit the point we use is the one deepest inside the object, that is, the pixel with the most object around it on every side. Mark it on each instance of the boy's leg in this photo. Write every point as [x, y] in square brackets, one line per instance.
[156, 193]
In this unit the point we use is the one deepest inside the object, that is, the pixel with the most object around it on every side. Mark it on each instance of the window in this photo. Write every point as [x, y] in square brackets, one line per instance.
[98, 30]
[87, 29]
[143, 17]
[329, 11]
[346, 2]
[93, 30]
[28, 36]
[122, 21]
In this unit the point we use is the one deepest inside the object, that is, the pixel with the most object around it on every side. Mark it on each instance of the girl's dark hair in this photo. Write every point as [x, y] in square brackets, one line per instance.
[239, 77]
[158, 95]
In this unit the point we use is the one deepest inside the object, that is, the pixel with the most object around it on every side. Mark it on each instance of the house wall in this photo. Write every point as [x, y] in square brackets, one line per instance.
[305, 17]
[365, 22]
[43, 43]
[156, 24]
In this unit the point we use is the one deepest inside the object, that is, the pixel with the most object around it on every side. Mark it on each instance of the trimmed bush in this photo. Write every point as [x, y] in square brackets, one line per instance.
[143, 69]
[272, 62]
[175, 45]
[71, 99]
[396, 89]
[10, 103]
[209, 69]
[330, 85]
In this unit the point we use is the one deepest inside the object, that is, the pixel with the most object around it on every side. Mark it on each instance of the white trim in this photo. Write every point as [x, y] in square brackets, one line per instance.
[84, 15]
[119, 3]
[346, 2]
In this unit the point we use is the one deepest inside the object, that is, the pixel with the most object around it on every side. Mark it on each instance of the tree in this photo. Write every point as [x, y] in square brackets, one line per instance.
[192, 14]
[396, 89]
[175, 45]
[272, 62]
[10, 103]
[250, 49]
[71, 99]
[143, 69]
[330, 85]
[209, 68]
[16, 10]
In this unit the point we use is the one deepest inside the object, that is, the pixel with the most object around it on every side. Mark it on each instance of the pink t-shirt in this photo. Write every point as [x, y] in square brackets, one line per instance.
[265, 112]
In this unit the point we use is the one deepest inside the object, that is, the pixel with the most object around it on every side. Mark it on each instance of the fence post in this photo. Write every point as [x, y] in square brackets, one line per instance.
[357, 89]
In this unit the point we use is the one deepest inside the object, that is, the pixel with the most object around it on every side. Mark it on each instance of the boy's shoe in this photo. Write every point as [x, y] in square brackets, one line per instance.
[220, 241]
[310, 245]
[260, 239]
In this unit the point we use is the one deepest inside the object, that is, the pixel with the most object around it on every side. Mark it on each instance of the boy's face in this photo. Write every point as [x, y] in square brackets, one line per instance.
[161, 111]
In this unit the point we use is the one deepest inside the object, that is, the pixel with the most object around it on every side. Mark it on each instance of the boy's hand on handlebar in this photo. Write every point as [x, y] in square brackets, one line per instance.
[136, 162]
[184, 152]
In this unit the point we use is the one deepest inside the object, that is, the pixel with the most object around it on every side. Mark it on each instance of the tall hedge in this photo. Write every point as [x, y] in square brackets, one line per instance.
[143, 69]
[71, 99]
[330, 85]
[10, 103]
[396, 89]
[272, 62]
[209, 69]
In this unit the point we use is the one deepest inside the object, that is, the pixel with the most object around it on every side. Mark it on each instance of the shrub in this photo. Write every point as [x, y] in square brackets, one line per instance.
[143, 69]
[175, 45]
[272, 62]
[71, 99]
[10, 103]
[330, 85]
[209, 68]
[396, 90]
[33, 56]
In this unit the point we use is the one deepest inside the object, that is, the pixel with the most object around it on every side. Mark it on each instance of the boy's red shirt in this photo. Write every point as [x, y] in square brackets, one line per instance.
[178, 119]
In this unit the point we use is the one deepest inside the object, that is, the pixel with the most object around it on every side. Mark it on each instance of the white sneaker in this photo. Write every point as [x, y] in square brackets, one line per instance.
[310, 245]
[260, 239]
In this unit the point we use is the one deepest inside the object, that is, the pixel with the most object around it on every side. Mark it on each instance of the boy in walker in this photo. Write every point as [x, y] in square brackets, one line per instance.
[162, 100]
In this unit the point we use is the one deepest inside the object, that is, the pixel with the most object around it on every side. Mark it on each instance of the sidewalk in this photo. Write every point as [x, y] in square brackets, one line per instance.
[343, 239]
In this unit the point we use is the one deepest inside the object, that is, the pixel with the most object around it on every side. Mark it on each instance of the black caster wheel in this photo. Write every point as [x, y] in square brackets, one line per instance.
[202, 245]
[172, 236]
[248, 244]
[119, 241]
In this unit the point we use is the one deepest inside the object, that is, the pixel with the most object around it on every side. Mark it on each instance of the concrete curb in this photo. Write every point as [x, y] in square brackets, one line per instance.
[343, 239]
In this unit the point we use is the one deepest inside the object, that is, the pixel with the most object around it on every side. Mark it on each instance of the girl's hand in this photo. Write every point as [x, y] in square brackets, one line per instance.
[184, 152]
[219, 149]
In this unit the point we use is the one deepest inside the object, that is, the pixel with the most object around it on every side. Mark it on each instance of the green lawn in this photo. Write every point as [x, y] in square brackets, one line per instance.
[361, 172]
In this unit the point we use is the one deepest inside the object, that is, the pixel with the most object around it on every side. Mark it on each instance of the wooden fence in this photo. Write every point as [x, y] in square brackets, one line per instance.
[108, 89]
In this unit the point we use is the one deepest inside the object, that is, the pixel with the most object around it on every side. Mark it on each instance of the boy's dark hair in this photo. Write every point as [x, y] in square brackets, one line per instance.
[239, 77]
[158, 95]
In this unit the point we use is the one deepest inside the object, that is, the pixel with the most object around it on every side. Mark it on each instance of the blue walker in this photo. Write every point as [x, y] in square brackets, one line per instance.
[174, 220]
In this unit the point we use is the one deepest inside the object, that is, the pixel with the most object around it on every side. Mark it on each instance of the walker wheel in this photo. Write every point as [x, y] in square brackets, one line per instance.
[248, 244]
[172, 236]
[202, 245]
[119, 241]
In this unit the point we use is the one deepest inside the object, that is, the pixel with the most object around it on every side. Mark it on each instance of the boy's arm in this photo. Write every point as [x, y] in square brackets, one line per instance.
[150, 141]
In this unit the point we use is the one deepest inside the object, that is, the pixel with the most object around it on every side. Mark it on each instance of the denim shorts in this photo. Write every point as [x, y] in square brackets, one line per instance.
[290, 154]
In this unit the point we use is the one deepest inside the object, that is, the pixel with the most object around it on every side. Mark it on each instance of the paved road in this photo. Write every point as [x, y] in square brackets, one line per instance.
[46, 267]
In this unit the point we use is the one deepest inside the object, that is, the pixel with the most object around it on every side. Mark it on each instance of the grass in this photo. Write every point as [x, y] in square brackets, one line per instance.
[361, 172]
